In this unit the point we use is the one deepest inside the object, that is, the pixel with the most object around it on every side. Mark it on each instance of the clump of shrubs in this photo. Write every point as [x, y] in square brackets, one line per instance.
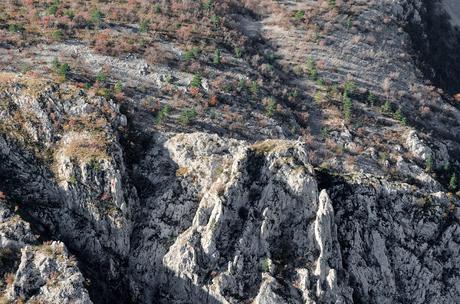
[62, 69]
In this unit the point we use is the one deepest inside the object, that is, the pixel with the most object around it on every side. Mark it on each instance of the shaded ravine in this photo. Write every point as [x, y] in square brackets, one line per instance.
[435, 37]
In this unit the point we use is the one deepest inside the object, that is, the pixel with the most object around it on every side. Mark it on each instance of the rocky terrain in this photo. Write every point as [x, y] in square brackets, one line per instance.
[229, 152]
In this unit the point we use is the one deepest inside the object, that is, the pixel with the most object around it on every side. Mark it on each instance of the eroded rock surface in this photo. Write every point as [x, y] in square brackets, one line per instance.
[34, 272]
[153, 215]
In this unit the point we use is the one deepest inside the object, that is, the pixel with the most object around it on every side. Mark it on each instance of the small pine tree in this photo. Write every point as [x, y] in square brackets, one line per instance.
[271, 107]
[349, 87]
[196, 81]
[52, 10]
[55, 64]
[347, 107]
[207, 5]
[299, 15]
[400, 116]
[446, 166]
[217, 57]
[144, 26]
[238, 52]
[254, 88]
[57, 35]
[187, 115]
[453, 183]
[96, 17]
[69, 13]
[429, 164]
[62, 69]
[311, 68]
[371, 99]
[386, 107]
[215, 20]
[162, 115]
[101, 77]
[118, 88]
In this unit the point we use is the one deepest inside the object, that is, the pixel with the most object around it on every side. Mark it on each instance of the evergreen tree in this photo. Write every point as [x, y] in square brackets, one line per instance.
[453, 183]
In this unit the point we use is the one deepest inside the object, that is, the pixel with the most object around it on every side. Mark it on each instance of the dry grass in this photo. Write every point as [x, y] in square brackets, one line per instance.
[272, 145]
[85, 147]
[182, 171]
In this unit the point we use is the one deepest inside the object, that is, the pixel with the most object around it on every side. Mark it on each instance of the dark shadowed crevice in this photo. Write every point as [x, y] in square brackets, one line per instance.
[436, 43]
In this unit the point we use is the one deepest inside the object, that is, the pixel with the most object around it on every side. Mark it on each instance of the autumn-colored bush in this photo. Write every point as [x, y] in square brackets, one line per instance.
[213, 101]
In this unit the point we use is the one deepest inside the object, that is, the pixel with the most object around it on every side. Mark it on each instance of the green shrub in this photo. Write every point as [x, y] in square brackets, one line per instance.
[96, 16]
[429, 164]
[242, 85]
[215, 20]
[453, 182]
[162, 115]
[52, 10]
[64, 70]
[187, 115]
[400, 117]
[349, 87]
[347, 107]
[299, 15]
[321, 82]
[238, 52]
[294, 93]
[311, 69]
[118, 88]
[196, 81]
[101, 77]
[270, 108]
[193, 53]
[446, 166]
[265, 265]
[60, 69]
[207, 5]
[57, 35]
[106, 93]
[94, 165]
[349, 23]
[254, 88]
[144, 26]
[69, 13]
[386, 107]
[371, 99]
[15, 28]
[55, 64]
[217, 57]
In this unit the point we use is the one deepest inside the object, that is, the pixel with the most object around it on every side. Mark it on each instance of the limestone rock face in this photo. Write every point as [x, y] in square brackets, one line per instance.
[68, 168]
[260, 216]
[50, 275]
[400, 245]
[256, 225]
[417, 147]
[140, 213]
[43, 273]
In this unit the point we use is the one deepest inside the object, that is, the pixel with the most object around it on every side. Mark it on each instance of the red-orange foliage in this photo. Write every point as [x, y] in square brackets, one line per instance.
[194, 91]
[213, 101]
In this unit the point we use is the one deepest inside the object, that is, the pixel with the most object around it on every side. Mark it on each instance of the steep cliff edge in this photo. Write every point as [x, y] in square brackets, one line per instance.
[108, 205]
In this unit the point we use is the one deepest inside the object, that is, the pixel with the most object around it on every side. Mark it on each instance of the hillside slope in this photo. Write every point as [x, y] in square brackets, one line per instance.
[229, 152]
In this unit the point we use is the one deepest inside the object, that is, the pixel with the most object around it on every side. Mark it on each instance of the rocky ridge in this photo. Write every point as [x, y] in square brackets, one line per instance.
[169, 217]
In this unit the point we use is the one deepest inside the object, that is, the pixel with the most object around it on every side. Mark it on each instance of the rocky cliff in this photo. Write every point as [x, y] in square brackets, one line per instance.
[98, 204]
